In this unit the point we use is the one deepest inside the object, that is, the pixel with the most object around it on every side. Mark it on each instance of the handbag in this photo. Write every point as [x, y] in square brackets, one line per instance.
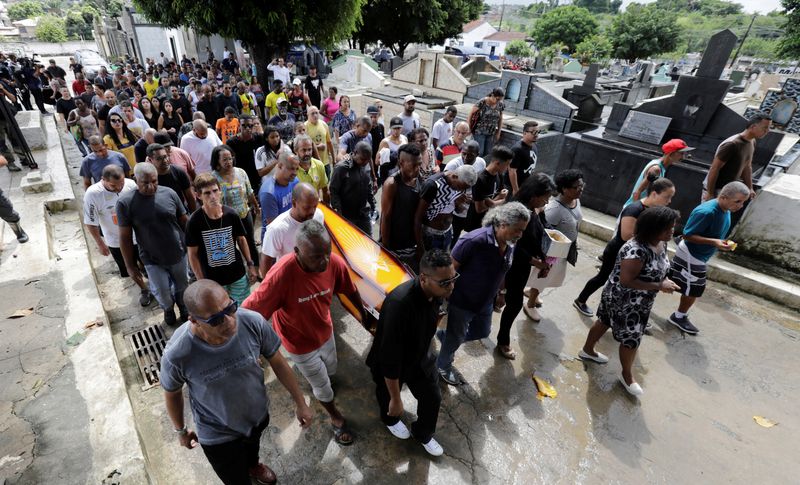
[473, 119]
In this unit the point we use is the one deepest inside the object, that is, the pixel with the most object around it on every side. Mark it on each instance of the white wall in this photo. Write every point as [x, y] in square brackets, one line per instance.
[152, 42]
[475, 35]
[770, 228]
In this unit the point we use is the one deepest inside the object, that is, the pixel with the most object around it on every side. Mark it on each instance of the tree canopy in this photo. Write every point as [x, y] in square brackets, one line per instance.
[51, 29]
[518, 48]
[567, 25]
[25, 10]
[642, 31]
[398, 24]
[789, 45]
[265, 27]
[595, 48]
[599, 6]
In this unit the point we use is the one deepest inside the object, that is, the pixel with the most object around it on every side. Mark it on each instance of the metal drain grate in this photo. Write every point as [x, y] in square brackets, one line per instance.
[148, 345]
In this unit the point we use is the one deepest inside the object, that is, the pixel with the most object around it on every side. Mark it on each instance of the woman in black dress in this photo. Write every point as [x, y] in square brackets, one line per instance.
[639, 274]
[529, 252]
[170, 121]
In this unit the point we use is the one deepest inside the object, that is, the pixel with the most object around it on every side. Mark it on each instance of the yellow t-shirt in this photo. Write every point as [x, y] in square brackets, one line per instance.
[247, 104]
[226, 129]
[150, 87]
[126, 148]
[319, 134]
[315, 176]
[271, 103]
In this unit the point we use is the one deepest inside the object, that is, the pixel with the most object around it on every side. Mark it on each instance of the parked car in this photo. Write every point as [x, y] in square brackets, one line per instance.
[91, 62]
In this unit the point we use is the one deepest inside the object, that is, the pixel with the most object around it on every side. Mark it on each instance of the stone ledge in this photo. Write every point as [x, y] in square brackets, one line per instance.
[31, 124]
[35, 182]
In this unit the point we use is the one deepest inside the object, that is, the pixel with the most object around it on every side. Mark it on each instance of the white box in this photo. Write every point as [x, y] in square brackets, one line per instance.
[559, 244]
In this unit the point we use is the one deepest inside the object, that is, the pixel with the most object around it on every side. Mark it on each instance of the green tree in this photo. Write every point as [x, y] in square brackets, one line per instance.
[594, 49]
[398, 24]
[789, 45]
[518, 48]
[79, 20]
[564, 25]
[51, 29]
[109, 8]
[599, 6]
[266, 28]
[25, 10]
[644, 30]
[54, 7]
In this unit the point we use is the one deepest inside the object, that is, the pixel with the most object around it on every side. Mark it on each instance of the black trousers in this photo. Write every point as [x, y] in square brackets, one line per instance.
[429, 399]
[594, 284]
[39, 98]
[458, 227]
[249, 234]
[231, 460]
[116, 253]
[516, 277]
[7, 212]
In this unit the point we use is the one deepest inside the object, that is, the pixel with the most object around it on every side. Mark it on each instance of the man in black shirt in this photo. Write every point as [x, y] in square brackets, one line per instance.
[227, 98]
[171, 176]
[56, 71]
[181, 105]
[208, 106]
[244, 146]
[351, 188]
[402, 352]
[488, 191]
[525, 156]
[314, 88]
[376, 131]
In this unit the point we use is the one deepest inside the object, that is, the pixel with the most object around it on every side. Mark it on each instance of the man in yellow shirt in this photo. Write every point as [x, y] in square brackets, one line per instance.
[311, 170]
[150, 85]
[271, 103]
[318, 131]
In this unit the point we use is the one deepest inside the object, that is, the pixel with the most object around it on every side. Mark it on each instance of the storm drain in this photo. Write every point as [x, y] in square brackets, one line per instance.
[148, 345]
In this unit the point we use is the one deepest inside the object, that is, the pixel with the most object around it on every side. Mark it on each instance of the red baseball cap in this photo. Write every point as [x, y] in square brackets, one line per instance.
[676, 145]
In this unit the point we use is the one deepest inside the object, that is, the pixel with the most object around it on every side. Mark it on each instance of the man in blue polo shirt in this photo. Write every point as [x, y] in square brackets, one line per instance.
[483, 257]
[703, 234]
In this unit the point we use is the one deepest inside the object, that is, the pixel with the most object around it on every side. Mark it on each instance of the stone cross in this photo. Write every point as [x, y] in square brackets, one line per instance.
[716, 55]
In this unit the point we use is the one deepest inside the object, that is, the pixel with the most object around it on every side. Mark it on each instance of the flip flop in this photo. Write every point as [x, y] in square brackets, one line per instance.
[508, 352]
[339, 431]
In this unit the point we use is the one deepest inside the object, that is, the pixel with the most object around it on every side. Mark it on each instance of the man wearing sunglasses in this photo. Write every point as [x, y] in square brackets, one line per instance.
[402, 352]
[213, 354]
[297, 294]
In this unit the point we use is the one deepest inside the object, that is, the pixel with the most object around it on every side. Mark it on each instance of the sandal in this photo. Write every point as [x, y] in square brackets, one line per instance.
[339, 432]
[507, 352]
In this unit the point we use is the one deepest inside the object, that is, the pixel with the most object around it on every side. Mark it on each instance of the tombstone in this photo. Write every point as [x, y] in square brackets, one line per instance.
[783, 111]
[538, 64]
[736, 77]
[589, 82]
[573, 66]
[716, 55]
[557, 65]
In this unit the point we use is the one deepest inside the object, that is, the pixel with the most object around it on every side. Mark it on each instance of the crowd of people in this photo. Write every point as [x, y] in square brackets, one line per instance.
[185, 161]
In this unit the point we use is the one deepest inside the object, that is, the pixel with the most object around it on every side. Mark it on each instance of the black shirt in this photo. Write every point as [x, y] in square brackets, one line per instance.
[401, 221]
[402, 346]
[244, 153]
[177, 180]
[524, 161]
[215, 240]
[634, 209]
[351, 190]
[209, 108]
[377, 134]
[225, 101]
[486, 187]
[140, 152]
[64, 106]
[182, 106]
[314, 89]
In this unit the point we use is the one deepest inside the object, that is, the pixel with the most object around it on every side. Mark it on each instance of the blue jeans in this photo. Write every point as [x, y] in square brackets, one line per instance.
[167, 283]
[435, 239]
[463, 326]
[485, 144]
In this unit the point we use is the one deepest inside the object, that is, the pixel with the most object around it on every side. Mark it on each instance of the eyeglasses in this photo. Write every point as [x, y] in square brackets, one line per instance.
[161, 158]
[219, 317]
[115, 121]
[247, 125]
[533, 132]
[445, 283]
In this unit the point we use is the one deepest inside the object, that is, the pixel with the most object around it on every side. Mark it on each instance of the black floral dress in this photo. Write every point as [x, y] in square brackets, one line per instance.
[627, 310]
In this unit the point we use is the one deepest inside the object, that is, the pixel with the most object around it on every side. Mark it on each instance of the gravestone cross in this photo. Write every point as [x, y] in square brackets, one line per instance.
[716, 55]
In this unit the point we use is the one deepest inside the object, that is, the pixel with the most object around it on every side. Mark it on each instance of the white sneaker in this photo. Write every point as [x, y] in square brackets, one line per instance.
[600, 358]
[634, 389]
[399, 430]
[433, 447]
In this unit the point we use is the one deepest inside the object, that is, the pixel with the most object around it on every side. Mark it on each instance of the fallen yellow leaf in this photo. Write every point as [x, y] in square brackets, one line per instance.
[545, 388]
[764, 422]
[22, 312]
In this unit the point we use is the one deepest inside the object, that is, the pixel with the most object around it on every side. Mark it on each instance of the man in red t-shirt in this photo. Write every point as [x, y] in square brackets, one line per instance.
[297, 294]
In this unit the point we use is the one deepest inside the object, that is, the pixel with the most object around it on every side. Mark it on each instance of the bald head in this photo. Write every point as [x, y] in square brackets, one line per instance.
[203, 297]
[200, 128]
[304, 192]
[149, 135]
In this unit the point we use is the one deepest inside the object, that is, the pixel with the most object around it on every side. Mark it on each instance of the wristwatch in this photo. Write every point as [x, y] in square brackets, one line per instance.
[250, 263]
[181, 431]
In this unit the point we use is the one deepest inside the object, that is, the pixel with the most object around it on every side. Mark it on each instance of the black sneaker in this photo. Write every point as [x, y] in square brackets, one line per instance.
[450, 377]
[169, 318]
[184, 314]
[13, 167]
[145, 298]
[583, 308]
[684, 324]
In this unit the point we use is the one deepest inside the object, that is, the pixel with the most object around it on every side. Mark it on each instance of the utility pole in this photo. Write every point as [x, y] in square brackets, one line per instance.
[747, 32]
[502, 12]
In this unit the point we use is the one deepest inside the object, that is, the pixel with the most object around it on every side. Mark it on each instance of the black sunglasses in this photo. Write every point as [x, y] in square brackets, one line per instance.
[219, 317]
[445, 283]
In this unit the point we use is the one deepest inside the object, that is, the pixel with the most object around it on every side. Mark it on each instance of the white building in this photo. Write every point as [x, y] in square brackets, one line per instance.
[496, 43]
[472, 34]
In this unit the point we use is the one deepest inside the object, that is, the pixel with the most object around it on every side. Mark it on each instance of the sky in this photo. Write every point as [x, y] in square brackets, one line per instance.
[751, 6]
